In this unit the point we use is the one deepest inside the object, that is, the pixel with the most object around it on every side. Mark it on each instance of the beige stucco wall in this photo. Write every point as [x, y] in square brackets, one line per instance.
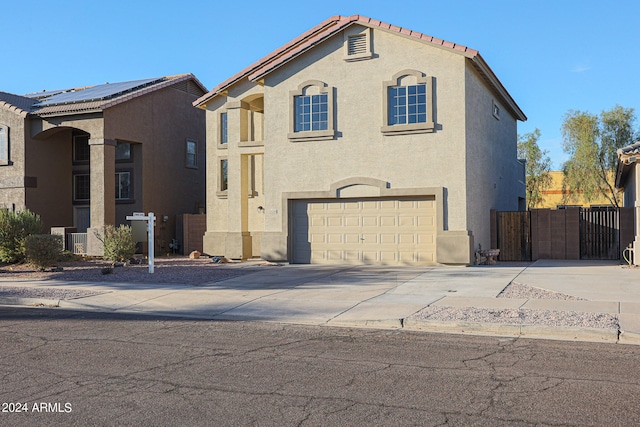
[493, 178]
[408, 163]
[360, 149]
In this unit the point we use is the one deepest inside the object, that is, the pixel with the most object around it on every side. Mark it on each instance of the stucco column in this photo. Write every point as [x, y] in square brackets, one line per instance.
[238, 239]
[102, 186]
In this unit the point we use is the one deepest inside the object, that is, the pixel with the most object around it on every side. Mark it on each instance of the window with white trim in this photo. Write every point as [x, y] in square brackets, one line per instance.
[4, 145]
[311, 112]
[408, 103]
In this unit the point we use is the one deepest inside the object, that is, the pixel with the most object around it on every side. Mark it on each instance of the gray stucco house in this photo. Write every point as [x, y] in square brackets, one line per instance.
[89, 156]
[360, 142]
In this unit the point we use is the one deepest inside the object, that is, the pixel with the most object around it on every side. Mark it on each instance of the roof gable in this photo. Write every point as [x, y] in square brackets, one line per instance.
[19, 104]
[334, 25]
[97, 98]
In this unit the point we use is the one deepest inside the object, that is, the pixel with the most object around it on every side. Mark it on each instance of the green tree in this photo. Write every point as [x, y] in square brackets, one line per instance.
[537, 166]
[591, 142]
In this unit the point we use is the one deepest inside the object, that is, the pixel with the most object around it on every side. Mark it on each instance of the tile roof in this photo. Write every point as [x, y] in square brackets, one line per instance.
[19, 104]
[630, 149]
[335, 24]
[100, 97]
[626, 162]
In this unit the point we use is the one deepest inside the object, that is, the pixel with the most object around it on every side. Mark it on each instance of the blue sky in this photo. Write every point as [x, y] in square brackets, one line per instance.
[551, 55]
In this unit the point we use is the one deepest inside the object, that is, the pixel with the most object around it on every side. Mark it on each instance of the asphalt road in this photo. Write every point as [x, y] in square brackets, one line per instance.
[88, 368]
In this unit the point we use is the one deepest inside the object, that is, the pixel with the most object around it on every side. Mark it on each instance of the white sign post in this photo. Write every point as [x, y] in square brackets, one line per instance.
[137, 216]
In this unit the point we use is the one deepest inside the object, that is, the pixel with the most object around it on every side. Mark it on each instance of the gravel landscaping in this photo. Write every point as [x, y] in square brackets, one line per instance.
[521, 316]
[167, 270]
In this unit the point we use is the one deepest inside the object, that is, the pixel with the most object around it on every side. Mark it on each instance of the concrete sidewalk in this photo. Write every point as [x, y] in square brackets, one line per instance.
[375, 296]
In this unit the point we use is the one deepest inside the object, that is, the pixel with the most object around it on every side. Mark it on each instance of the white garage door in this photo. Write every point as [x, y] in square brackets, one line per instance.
[364, 231]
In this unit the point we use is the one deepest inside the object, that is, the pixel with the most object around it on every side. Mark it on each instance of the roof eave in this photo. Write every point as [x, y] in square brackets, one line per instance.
[494, 82]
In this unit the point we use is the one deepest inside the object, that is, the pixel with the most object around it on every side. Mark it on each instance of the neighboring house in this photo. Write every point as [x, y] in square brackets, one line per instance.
[628, 178]
[90, 156]
[360, 142]
[555, 196]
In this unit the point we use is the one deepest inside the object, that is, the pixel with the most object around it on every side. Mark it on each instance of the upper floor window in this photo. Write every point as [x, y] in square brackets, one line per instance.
[408, 103]
[123, 151]
[81, 187]
[311, 112]
[4, 145]
[81, 152]
[224, 132]
[496, 110]
[192, 154]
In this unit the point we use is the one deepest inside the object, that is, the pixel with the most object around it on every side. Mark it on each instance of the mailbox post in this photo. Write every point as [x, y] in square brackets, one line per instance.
[140, 216]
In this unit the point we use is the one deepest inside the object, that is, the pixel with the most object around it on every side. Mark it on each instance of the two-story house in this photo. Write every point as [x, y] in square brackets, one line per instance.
[89, 156]
[360, 142]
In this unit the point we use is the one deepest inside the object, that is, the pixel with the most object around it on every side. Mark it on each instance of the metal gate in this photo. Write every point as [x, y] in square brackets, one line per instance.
[599, 233]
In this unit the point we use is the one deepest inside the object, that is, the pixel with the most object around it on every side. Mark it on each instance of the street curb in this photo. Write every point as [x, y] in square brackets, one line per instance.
[627, 337]
[505, 330]
[523, 331]
[381, 324]
[30, 301]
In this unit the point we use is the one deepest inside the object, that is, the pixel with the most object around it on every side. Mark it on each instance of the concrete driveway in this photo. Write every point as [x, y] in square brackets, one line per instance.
[369, 295]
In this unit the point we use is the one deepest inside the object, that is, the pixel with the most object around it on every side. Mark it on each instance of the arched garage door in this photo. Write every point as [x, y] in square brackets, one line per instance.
[390, 231]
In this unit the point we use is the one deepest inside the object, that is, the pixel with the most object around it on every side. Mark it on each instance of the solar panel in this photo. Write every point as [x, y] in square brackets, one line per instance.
[95, 93]
[43, 94]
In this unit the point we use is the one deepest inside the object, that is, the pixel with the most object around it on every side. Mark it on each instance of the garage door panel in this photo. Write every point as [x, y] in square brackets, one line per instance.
[370, 221]
[352, 238]
[334, 238]
[378, 231]
[351, 221]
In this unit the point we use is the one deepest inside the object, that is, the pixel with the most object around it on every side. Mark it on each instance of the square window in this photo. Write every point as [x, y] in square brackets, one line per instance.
[311, 112]
[191, 154]
[123, 151]
[407, 104]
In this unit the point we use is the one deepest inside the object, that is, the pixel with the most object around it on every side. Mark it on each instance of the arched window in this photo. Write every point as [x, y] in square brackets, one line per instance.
[408, 102]
[311, 112]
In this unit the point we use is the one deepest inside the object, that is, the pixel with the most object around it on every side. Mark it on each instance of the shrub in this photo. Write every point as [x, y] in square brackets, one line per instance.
[14, 228]
[43, 250]
[118, 243]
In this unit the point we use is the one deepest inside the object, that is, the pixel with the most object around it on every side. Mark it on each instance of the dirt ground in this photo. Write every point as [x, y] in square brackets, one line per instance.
[173, 269]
